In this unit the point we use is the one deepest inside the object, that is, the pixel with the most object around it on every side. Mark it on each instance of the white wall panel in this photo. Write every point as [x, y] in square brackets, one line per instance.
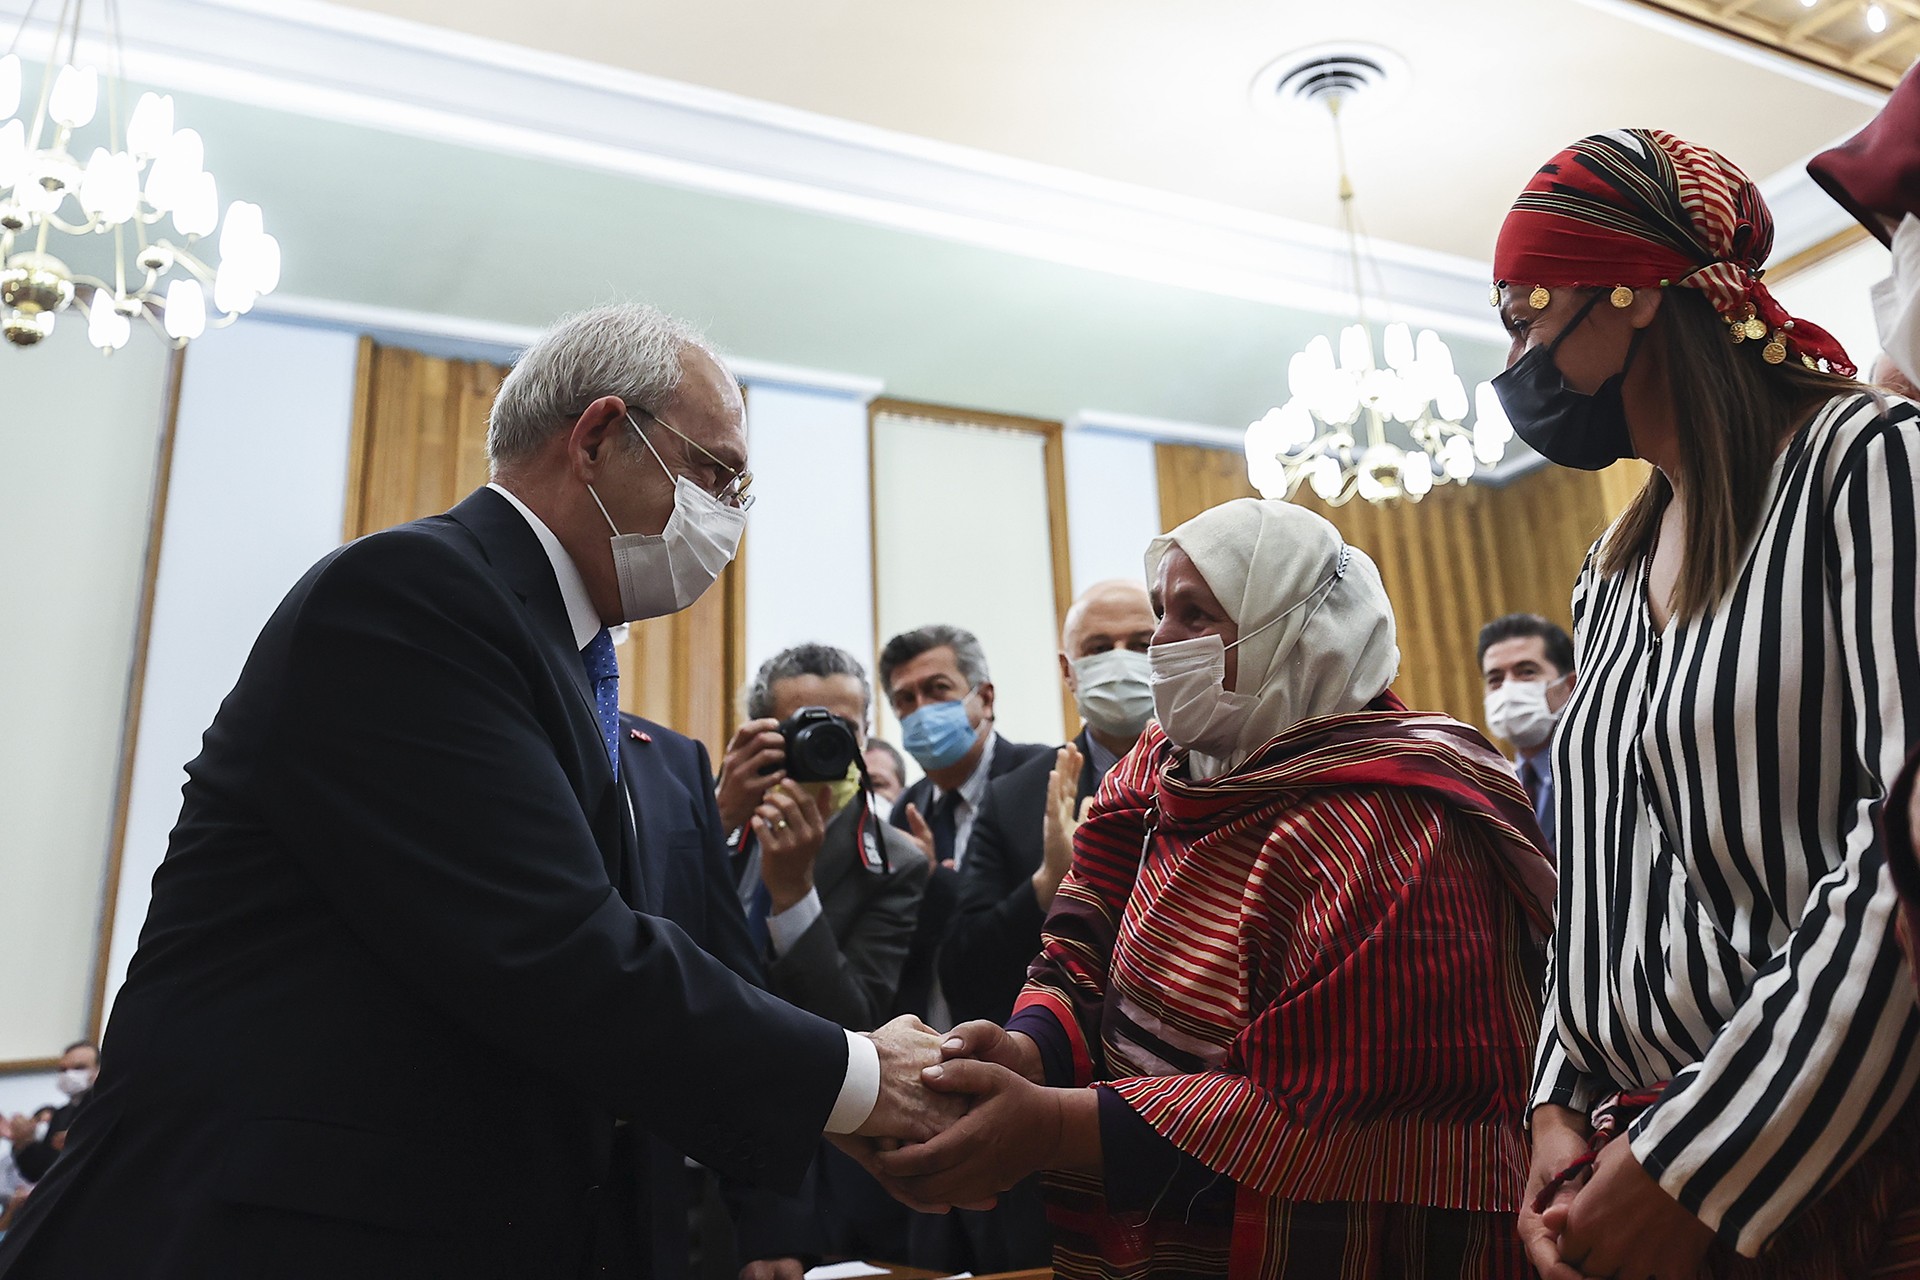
[962, 525]
[258, 494]
[808, 557]
[1113, 505]
[82, 434]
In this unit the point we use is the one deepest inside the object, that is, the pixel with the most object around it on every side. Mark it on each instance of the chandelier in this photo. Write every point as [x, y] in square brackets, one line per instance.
[1331, 434]
[139, 211]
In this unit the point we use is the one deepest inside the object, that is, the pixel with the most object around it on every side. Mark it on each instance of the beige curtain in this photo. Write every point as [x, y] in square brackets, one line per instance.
[1452, 561]
[419, 446]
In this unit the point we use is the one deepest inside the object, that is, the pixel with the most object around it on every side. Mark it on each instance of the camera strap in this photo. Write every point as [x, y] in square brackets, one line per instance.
[867, 835]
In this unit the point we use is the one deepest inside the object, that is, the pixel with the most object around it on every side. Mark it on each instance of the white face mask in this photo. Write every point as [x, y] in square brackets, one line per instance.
[664, 573]
[1113, 691]
[74, 1081]
[1190, 697]
[1517, 711]
[1896, 301]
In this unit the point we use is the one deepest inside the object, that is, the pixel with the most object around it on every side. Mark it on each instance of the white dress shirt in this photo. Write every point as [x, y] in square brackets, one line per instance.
[860, 1090]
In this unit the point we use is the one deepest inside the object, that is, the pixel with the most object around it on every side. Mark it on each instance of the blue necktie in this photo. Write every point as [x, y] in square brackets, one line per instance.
[603, 670]
[759, 907]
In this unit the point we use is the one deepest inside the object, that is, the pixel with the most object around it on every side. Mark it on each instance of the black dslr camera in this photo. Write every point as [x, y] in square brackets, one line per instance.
[820, 745]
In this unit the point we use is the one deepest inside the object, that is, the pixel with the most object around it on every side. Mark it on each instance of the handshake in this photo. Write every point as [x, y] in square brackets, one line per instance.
[963, 1117]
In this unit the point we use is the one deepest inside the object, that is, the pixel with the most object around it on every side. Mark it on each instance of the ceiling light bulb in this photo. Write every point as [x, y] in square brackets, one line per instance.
[1356, 348]
[186, 311]
[1325, 477]
[107, 326]
[1808, 4]
[151, 127]
[196, 212]
[110, 188]
[13, 152]
[9, 85]
[1416, 474]
[1399, 347]
[1876, 19]
[76, 96]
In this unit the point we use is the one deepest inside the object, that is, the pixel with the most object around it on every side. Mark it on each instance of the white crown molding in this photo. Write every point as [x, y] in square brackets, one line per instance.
[499, 341]
[1106, 422]
[348, 65]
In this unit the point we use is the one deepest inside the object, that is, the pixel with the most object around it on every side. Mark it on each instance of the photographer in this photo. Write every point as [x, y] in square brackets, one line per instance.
[834, 930]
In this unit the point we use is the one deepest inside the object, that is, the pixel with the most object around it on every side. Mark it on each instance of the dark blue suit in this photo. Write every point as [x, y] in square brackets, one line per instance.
[393, 993]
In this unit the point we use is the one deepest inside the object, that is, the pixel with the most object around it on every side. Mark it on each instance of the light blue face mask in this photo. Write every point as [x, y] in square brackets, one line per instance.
[938, 734]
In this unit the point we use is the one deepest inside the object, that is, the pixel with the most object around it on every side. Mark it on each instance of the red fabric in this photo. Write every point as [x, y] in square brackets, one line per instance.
[1644, 209]
[1875, 174]
[1307, 973]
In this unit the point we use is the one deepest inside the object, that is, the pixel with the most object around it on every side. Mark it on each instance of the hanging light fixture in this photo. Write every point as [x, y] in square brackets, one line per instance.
[146, 193]
[1331, 434]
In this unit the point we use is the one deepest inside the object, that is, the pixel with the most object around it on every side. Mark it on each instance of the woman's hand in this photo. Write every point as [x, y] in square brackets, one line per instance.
[1013, 1129]
[986, 1042]
[1559, 1138]
[1623, 1223]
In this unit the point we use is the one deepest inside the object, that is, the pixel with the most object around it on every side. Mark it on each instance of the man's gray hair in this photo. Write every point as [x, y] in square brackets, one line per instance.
[821, 660]
[626, 350]
[908, 645]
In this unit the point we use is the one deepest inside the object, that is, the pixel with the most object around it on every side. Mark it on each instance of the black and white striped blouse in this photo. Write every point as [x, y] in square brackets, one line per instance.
[1725, 917]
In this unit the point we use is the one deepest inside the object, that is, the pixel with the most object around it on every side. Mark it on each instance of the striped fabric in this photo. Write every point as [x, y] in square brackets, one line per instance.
[1309, 975]
[1726, 916]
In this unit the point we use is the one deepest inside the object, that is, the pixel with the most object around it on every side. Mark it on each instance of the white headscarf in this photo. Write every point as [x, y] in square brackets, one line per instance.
[1335, 655]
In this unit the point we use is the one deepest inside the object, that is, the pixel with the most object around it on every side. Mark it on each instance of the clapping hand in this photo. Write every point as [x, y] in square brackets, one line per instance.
[1062, 819]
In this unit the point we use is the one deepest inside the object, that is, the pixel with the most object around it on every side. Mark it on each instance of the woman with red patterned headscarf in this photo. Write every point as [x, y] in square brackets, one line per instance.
[1727, 997]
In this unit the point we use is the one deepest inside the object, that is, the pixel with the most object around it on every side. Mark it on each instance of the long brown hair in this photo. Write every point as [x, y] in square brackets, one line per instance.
[1733, 411]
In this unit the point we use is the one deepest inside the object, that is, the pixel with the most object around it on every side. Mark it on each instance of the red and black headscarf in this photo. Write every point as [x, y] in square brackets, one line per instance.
[1642, 209]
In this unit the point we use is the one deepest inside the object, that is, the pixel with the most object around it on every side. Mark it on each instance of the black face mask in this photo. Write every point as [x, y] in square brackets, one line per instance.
[1586, 432]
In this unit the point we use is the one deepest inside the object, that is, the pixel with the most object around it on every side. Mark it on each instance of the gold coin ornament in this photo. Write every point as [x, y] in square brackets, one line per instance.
[1621, 297]
[1737, 332]
[1493, 296]
[1774, 352]
[1756, 330]
[1539, 298]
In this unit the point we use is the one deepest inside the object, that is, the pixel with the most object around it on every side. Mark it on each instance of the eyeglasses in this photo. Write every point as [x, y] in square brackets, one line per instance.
[734, 492]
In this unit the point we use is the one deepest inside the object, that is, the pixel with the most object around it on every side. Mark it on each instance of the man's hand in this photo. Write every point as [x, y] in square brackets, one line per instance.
[790, 831]
[985, 1041]
[1013, 1129]
[1062, 820]
[756, 745]
[1559, 1138]
[1623, 1223]
[20, 1130]
[907, 1108]
[773, 1269]
[920, 833]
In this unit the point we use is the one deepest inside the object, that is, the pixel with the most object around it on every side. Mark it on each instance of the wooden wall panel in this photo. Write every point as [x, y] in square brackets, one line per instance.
[420, 445]
[1454, 560]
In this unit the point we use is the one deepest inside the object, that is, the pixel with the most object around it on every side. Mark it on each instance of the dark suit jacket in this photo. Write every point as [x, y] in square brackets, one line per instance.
[34, 1159]
[846, 967]
[687, 879]
[388, 943]
[995, 932]
[937, 907]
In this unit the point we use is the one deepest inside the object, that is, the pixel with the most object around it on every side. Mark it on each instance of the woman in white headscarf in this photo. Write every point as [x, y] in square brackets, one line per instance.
[1296, 954]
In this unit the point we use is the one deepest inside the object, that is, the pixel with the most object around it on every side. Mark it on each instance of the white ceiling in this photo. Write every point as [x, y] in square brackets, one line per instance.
[1155, 93]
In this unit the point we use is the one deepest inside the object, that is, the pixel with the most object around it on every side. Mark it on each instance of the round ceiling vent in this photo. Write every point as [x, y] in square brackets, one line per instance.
[1365, 77]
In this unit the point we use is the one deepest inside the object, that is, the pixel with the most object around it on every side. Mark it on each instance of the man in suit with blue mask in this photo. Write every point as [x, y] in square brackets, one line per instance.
[936, 681]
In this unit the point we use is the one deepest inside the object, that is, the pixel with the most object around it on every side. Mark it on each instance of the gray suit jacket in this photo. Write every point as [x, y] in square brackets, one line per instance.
[846, 966]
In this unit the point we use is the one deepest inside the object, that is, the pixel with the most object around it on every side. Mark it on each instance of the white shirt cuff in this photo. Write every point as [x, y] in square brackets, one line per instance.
[785, 927]
[860, 1091]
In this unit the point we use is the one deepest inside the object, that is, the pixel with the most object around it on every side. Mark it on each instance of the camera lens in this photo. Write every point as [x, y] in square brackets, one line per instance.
[820, 746]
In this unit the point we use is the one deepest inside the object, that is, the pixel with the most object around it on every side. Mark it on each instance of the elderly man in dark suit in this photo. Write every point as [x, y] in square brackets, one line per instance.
[406, 843]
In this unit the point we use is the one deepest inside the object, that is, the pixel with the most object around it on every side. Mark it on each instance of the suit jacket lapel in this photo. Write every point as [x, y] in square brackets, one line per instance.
[515, 552]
